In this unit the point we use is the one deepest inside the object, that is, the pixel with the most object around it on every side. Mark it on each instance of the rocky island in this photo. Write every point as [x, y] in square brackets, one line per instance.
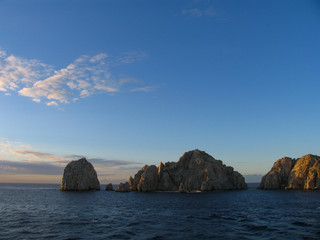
[289, 173]
[195, 171]
[79, 176]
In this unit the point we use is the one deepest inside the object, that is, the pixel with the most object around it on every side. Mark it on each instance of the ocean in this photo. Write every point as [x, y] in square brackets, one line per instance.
[39, 211]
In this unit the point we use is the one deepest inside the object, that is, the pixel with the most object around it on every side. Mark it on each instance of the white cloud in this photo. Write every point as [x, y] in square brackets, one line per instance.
[82, 78]
[7, 94]
[15, 71]
[52, 103]
[85, 93]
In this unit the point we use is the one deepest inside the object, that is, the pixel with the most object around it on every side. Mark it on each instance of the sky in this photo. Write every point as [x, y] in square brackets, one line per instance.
[127, 83]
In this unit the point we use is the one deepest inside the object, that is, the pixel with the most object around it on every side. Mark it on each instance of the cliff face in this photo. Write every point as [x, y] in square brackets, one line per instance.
[78, 176]
[195, 170]
[278, 176]
[288, 173]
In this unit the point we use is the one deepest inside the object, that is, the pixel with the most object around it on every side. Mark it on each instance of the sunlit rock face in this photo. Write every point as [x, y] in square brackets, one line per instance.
[79, 176]
[195, 171]
[288, 173]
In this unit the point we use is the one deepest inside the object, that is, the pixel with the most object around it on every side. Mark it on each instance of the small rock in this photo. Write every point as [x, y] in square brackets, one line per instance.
[109, 187]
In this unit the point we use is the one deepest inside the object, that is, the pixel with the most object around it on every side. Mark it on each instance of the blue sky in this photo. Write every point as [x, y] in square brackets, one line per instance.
[128, 83]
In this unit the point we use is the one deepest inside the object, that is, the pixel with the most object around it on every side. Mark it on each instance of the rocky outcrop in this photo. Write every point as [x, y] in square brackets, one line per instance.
[79, 176]
[109, 187]
[196, 170]
[123, 187]
[288, 173]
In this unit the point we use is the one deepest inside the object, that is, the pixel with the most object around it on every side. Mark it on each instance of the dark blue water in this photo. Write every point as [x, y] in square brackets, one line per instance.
[43, 212]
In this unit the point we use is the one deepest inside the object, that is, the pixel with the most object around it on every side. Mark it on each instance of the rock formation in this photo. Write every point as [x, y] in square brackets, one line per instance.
[196, 170]
[78, 176]
[288, 173]
[109, 187]
[123, 187]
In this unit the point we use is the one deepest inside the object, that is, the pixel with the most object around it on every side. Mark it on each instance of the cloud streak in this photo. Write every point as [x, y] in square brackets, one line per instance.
[85, 76]
[11, 167]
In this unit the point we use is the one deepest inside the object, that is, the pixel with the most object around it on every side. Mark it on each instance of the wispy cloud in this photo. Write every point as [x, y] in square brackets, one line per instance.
[6, 145]
[129, 57]
[34, 154]
[199, 12]
[85, 76]
[143, 89]
[111, 163]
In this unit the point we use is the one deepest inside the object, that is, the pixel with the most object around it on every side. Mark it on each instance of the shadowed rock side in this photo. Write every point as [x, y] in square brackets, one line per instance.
[196, 170]
[288, 173]
[79, 176]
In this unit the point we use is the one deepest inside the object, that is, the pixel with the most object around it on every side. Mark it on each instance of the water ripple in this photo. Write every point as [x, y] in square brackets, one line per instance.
[46, 213]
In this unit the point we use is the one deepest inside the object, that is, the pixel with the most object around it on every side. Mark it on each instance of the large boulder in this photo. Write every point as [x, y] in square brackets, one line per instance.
[196, 170]
[79, 176]
[288, 173]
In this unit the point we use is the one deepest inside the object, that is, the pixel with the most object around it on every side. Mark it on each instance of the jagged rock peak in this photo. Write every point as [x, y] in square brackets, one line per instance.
[79, 175]
[196, 157]
[288, 173]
